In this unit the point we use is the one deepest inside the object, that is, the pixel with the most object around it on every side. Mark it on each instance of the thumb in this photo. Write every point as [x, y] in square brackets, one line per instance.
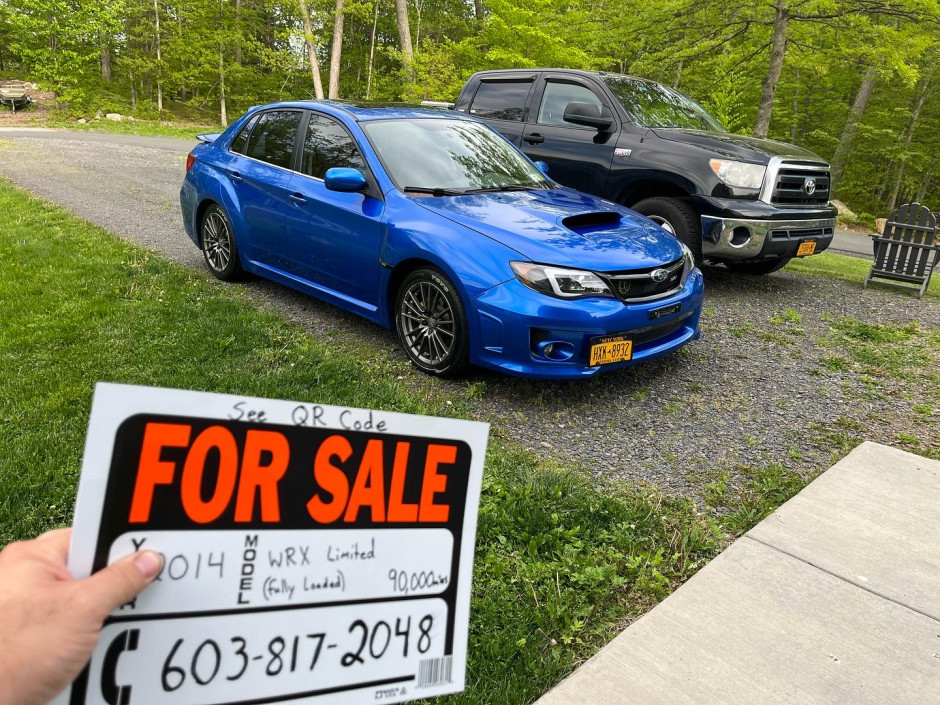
[120, 582]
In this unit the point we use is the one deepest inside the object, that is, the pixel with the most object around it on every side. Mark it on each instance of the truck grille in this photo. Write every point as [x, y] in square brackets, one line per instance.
[801, 233]
[800, 186]
[638, 284]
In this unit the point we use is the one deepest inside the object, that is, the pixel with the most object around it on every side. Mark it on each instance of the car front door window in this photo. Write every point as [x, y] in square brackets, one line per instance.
[556, 98]
[328, 145]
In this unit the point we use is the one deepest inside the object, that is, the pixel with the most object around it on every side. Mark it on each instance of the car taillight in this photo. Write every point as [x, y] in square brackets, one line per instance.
[190, 160]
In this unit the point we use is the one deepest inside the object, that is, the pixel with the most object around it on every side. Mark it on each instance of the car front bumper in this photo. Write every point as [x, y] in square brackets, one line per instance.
[513, 320]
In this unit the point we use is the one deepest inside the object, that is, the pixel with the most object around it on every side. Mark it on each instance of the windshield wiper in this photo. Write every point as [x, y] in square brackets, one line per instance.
[505, 187]
[436, 192]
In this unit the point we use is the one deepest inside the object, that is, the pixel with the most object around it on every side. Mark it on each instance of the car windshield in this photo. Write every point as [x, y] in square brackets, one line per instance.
[450, 157]
[653, 105]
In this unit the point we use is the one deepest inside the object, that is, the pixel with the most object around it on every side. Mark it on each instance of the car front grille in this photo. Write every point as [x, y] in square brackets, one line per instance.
[800, 186]
[639, 285]
[800, 233]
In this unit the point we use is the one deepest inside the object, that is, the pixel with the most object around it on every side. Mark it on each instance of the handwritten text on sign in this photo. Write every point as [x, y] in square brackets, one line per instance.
[311, 553]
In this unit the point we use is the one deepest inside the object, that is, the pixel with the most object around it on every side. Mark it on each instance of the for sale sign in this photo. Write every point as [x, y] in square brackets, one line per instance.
[312, 553]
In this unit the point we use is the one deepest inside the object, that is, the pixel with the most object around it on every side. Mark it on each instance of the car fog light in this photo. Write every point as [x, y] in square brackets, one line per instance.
[555, 350]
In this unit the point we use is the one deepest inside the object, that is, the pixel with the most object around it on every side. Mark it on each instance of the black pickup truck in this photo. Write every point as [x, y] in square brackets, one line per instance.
[752, 204]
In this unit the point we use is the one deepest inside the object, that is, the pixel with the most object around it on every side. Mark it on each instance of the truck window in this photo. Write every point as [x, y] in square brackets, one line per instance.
[556, 98]
[501, 100]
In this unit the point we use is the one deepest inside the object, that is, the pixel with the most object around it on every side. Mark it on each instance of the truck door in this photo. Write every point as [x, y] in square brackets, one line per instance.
[577, 156]
[502, 103]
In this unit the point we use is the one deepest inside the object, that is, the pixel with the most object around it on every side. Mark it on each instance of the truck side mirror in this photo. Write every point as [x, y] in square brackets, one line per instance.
[587, 114]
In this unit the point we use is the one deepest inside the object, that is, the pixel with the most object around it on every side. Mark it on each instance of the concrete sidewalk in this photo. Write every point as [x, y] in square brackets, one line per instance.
[834, 598]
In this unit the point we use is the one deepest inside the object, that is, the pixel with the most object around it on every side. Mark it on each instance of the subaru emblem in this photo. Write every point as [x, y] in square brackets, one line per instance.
[809, 187]
[659, 275]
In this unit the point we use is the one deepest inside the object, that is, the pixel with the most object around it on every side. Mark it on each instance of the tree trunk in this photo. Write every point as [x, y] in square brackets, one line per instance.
[311, 50]
[336, 53]
[678, 74]
[924, 186]
[908, 135]
[375, 24]
[223, 112]
[238, 32]
[778, 47]
[840, 158]
[156, 13]
[105, 57]
[404, 35]
[796, 108]
[478, 10]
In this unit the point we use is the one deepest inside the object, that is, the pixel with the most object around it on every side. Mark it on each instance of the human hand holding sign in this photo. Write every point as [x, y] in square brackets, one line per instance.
[49, 621]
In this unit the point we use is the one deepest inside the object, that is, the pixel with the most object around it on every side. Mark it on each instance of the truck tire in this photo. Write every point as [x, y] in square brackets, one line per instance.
[758, 268]
[676, 216]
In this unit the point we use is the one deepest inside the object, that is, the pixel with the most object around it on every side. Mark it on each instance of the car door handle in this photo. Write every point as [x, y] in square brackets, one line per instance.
[534, 138]
[235, 176]
[297, 198]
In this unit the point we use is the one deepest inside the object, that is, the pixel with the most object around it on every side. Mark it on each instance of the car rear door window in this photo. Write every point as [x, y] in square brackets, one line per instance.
[328, 145]
[272, 140]
[556, 97]
[501, 100]
[241, 139]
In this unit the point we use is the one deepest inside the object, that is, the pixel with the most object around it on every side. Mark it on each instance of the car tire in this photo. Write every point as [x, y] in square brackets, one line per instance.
[677, 217]
[428, 309]
[758, 268]
[218, 245]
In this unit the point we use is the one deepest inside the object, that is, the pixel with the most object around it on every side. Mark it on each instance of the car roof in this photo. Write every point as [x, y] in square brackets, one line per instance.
[369, 112]
[575, 72]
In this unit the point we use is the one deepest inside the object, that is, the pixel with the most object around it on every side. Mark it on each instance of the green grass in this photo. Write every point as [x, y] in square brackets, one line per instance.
[561, 562]
[848, 269]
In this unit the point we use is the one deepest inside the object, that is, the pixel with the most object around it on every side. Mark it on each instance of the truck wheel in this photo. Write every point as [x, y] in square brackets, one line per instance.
[758, 268]
[676, 217]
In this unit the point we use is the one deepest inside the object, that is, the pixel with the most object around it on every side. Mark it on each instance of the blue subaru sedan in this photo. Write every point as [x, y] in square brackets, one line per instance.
[431, 223]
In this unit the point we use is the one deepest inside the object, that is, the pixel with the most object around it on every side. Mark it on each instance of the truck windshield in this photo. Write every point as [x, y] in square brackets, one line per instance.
[450, 157]
[653, 105]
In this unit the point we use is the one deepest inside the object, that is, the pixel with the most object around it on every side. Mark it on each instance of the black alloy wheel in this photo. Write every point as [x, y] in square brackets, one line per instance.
[432, 324]
[676, 217]
[218, 245]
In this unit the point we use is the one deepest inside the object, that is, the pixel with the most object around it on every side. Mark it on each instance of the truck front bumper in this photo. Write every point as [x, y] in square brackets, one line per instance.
[740, 239]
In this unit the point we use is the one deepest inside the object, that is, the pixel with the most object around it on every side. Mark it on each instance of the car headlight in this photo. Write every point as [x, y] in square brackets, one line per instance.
[560, 282]
[688, 260]
[739, 174]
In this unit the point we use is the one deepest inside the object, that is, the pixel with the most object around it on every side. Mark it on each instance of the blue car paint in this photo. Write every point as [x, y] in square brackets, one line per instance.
[471, 238]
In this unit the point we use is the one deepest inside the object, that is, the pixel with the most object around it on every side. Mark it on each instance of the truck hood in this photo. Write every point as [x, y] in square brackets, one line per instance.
[753, 149]
[562, 227]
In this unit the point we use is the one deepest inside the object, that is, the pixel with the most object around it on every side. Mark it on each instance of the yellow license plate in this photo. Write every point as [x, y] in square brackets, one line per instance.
[807, 247]
[608, 350]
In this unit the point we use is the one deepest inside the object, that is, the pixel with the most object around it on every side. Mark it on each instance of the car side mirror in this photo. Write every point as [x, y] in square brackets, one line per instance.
[587, 114]
[541, 166]
[342, 178]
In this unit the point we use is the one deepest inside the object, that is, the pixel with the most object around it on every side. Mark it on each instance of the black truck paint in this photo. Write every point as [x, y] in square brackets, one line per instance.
[611, 147]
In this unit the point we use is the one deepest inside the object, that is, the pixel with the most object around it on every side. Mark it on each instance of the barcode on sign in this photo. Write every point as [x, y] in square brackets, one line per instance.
[435, 671]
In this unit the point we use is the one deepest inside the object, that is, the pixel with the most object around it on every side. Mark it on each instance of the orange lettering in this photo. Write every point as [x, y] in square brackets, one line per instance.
[398, 510]
[152, 471]
[263, 478]
[222, 440]
[330, 478]
[369, 488]
[435, 483]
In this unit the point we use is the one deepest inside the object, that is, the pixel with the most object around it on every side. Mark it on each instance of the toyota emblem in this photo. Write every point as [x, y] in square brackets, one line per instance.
[809, 187]
[659, 275]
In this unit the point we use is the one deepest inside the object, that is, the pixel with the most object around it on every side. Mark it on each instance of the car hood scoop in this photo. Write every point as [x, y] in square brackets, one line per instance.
[563, 227]
[591, 221]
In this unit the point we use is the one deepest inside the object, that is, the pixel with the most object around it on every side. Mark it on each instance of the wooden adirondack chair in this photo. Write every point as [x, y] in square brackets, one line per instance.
[907, 251]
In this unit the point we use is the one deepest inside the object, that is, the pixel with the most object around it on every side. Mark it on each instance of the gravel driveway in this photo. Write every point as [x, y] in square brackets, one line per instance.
[765, 384]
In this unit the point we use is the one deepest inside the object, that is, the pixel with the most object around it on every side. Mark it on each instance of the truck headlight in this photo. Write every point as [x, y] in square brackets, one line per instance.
[558, 281]
[738, 174]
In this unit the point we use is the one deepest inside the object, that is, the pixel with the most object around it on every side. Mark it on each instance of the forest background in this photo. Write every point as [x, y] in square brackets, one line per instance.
[855, 81]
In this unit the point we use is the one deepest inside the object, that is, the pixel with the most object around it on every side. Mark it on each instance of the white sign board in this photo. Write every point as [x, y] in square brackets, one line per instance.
[312, 554]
